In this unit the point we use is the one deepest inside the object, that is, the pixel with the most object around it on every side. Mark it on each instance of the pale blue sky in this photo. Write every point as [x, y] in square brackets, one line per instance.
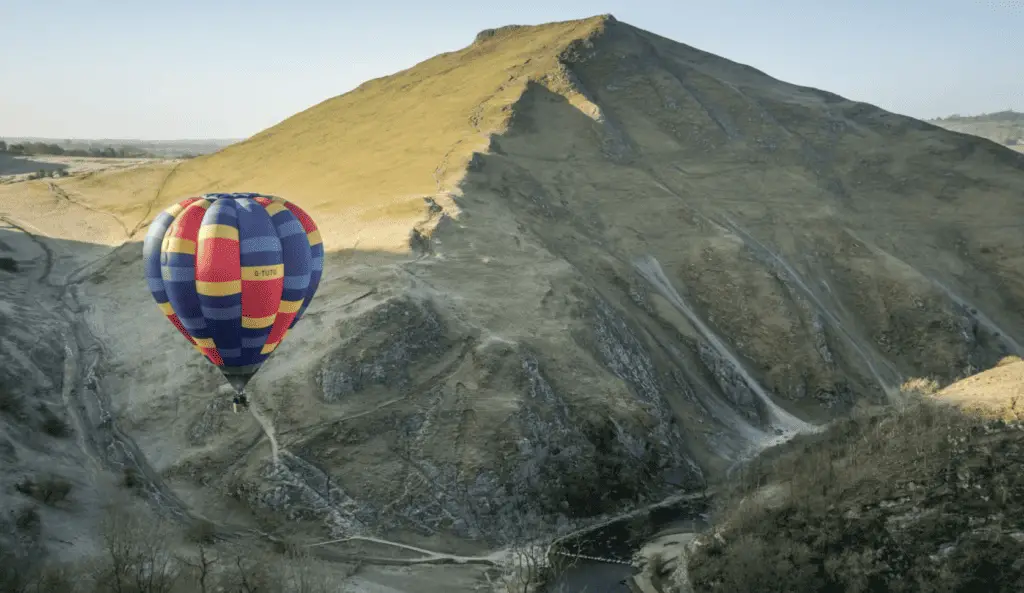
[230, 68]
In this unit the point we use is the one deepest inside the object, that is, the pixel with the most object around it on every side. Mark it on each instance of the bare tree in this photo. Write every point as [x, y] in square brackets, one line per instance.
[139, 558]
[302, 574]
[293, 570]
[525, 568]
[201, 566]
[253, 574]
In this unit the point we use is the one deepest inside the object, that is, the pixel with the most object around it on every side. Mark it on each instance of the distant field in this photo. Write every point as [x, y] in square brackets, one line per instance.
[22, 168]
[157, 148]
[1004, 127]
[27, 158]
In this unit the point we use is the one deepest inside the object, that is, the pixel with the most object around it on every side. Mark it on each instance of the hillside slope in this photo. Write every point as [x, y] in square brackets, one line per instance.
[996, 393]
[574, 268]
[363, 161]
[924, 497]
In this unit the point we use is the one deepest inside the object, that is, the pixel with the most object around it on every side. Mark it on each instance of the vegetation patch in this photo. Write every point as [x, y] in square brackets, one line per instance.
[50, 489]
[921, 497]
[144, 554]
[53, 424]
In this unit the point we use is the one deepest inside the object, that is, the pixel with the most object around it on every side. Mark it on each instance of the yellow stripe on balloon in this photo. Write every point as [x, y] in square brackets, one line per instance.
[218, 231]
[179, 245]
[274, 207]
[289, 306]
[314, 237]
[205, 342]
[218, 289]
[174, 210]
[258, 322]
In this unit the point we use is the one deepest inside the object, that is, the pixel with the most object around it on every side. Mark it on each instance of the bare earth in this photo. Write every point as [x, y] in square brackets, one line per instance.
[573, 269]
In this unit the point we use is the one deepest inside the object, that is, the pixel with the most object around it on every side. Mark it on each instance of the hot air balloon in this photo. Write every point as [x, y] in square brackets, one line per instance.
[233, 272]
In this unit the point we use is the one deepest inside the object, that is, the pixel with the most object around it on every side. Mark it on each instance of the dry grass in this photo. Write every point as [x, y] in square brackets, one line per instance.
[374, 152]
[361, 162]
[125, 193]
[996, 394]
[921, 498]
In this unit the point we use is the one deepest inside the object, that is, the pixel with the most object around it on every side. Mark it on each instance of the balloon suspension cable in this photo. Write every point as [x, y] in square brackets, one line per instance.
[268, 429]
[238, 382]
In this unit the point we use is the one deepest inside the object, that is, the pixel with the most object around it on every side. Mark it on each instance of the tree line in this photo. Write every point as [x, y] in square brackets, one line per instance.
[42, 148]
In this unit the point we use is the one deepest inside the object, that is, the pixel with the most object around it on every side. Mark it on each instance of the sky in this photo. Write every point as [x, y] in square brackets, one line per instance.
[230, 68]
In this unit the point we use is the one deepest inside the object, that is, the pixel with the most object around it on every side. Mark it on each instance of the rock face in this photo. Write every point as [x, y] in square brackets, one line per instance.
[470, 436]
[637, 262]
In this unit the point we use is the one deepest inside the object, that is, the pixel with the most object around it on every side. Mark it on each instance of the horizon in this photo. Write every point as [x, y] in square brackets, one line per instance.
[213, 139]
[139, 75]
[106, 139]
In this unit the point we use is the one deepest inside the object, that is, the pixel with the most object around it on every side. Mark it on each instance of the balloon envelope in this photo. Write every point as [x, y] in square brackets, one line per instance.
[233, 272]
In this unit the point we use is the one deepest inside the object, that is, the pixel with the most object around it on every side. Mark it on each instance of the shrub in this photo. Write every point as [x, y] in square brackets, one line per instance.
[50, 490]
[53, 424]
[131, 479]
[201, 531]
[27, 520]
[9, 402]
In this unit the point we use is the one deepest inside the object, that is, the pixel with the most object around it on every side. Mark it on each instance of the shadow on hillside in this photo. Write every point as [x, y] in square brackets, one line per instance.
[22, 254]
[18, 165]
[126, 268]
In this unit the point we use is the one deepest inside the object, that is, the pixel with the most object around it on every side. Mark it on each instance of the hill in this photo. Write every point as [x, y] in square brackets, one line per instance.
[371, 155]
[572, 269]
[1003, 127]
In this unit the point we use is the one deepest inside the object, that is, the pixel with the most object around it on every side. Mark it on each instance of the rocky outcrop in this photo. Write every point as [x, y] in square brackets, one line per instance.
[441, 462]
[379, 349]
